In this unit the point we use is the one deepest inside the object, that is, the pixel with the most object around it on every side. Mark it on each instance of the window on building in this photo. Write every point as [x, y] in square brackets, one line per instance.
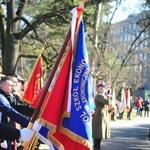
[142, 35]
[121, 39]
[145, 56]
[134, 26]
[141, 56]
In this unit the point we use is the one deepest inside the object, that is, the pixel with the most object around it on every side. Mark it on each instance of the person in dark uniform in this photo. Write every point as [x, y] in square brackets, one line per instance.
[10, 133]
[8, 107]
[146, 108]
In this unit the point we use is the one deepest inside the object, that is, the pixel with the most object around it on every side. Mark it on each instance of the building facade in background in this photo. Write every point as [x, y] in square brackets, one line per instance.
[132, 38]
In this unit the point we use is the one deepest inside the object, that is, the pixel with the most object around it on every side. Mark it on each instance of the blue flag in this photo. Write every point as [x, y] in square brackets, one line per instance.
[73, 129]
[78, 125]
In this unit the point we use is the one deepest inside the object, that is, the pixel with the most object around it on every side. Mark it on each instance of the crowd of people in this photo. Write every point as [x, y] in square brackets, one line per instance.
[14, 113]
[105, 111]
[141, 106]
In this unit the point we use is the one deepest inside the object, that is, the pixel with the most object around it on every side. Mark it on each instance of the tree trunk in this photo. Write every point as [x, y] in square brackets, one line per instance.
[10, 54]
[98, 11]
[2, 30]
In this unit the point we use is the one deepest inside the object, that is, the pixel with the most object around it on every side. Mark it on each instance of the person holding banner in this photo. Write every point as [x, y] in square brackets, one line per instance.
[101, 117]
[9, 114]
[16, 101]
[130, 110]
[10, 133]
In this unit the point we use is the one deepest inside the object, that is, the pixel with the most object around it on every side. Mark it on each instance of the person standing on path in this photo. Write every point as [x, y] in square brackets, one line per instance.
[101, 117]
[130, 110]
[146, 108]
[139, 106]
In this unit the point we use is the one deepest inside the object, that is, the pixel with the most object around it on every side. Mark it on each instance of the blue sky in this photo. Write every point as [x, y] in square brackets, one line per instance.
[128, 7]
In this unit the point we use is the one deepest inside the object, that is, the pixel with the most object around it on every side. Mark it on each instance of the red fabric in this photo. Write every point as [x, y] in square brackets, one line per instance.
[57, 101]
[69, 144]
[37, 98]
[35, 83]
[54, 102]
[139, 103]
[127, 100]
[126, 96]
[14, 143]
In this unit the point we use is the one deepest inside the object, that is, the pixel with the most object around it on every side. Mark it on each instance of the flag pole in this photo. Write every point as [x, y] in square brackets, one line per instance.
[36, 112]
[52, 73]
[77, 28]
[75, 41]
[37, 109]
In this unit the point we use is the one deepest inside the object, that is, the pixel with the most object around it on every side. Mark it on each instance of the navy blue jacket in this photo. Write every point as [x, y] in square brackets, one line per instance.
[9, 133]
[8, 111]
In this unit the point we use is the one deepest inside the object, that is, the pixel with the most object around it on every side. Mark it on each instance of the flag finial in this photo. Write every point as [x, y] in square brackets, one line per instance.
[82, 3]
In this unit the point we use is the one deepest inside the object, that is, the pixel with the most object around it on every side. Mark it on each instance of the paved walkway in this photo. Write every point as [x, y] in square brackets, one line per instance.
[125, 135]
[128, 135]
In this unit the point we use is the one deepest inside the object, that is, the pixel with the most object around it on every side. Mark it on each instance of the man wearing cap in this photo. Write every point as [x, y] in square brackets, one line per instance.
[100, 123]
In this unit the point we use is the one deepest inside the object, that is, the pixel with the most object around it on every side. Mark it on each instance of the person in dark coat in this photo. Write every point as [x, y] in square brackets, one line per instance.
[10, 133]
[16, 101]
[146, 108]
[101, 117]
[5, 108]
[9, 114]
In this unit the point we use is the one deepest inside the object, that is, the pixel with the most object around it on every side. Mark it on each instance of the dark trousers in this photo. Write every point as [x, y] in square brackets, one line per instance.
[141, 110]
[129, 113]
[146, 112]
[97, 143]
[113, 116]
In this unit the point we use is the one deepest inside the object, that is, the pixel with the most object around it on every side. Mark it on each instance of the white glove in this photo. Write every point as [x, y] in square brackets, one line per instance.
[36, 126]
[4, 144]
[26, 134]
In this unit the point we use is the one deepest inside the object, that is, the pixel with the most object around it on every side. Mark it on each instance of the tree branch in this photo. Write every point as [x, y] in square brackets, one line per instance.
[39, 21]
[21, 7]
[18, 35]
